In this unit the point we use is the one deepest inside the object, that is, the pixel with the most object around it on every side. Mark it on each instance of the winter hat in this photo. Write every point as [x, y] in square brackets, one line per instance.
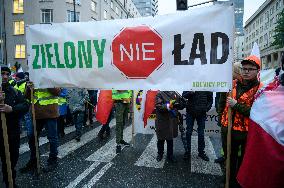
[20, 75]
[5, 68]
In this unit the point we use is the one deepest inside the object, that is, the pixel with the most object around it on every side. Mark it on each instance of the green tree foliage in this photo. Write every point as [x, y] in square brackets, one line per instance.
[279, 32]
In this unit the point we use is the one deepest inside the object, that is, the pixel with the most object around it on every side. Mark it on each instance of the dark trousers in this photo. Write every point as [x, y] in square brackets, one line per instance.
[121, 117]
[14, 145]
[190, 118]
[105, 127]
[238, 143]
[61, 124]
[170, 147]
[51, 127]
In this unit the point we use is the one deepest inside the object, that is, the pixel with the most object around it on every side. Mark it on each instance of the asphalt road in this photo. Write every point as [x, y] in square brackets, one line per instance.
[93, 163]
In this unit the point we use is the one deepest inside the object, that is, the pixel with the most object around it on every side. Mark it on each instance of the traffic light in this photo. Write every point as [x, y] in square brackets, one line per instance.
[181, 4]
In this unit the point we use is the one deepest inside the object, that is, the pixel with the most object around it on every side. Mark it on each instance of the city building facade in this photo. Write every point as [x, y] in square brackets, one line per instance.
[21, 13]
[260, 28]
[239, 16]
[239, 54]
[147, 7]
[1, 31]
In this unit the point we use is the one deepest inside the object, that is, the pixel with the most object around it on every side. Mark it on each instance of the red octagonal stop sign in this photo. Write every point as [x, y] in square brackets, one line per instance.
[137, 51]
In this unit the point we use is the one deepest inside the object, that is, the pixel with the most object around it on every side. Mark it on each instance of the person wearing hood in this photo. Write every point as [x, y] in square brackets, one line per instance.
[240, 102]
[14, 106]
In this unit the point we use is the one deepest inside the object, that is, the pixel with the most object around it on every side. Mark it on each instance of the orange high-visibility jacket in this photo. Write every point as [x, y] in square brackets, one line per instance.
[240, 122]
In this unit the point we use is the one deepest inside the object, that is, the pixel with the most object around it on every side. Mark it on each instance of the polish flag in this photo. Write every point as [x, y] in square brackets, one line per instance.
[263, 163]
[149, 105]
[104, 106]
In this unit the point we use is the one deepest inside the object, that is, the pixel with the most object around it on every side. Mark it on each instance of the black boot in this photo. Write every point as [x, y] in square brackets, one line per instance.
[118, 149]
[171, 159]
[101, 134]
[30, 166]
[107, 132]
[159, 157]
[51, 164]
[186, 156]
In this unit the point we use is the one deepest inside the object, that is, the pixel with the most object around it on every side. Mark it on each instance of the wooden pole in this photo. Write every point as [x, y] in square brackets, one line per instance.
[229, 138]
[35, 131]
[6, 145]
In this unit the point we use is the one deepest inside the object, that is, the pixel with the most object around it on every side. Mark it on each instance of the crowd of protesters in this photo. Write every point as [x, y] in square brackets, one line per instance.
[56, 108]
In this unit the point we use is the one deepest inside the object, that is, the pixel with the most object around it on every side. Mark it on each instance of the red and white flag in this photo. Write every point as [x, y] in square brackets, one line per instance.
[263, 163]
[149, 105]
[104, 106]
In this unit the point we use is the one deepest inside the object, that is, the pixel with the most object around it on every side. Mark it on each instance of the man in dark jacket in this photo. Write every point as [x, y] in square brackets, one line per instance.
[198, 104]
[14, 106]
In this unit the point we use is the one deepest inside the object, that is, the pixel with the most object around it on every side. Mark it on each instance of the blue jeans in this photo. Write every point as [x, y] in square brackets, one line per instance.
[51, 127]
[200, 130]
[29, 124]
[78, 118]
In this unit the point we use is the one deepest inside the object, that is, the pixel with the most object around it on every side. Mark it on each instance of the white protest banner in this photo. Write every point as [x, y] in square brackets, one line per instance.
[139, 127]
[189, 50]
[211, 123]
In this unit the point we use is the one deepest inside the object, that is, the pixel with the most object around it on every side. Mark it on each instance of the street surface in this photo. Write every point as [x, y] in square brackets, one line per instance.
[93, 163]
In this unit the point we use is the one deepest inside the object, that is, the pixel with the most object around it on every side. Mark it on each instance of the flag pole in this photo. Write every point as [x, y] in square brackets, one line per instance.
[229, 133]
[6, 144]
[229, 139]
[132, 115]
[35, 130]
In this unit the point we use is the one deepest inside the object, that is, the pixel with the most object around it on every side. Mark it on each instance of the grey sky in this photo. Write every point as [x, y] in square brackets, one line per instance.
[169, 6]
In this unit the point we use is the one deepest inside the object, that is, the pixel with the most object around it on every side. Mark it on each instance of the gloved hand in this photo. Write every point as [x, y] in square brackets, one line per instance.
[170, 105]
[231, 102]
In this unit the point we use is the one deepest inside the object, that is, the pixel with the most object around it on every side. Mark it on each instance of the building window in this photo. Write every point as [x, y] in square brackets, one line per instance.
[93, 6]
[77, 2]
[18, 6]
[111, 5]
[105, 14]
[121, 14]
[19, 27]
[46, 15]
[277, 5]
[20, 51]
[70, 16]
[116, 10]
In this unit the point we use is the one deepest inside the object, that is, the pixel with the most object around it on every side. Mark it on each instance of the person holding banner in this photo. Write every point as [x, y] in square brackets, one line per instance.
[46, 114]
[198, 104]
[14, 106]
[167, 105]
[241, 101]
[122, 100]
[220, 108]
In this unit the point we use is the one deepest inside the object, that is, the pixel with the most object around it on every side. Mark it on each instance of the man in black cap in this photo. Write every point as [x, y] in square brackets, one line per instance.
[14, 106]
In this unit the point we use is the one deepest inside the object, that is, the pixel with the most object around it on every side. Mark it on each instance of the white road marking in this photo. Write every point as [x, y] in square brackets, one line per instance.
[83, 175]
[200, 166]
[43, 140]
[97, 177]
[108, 151]
[148, 157]
[105, 154]
[73, 145]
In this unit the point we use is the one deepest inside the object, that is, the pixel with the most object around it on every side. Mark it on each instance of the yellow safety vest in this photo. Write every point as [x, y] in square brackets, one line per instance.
[44, 97]
[61, 100]
[121, 95]
[21, 88]
[11, 81]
